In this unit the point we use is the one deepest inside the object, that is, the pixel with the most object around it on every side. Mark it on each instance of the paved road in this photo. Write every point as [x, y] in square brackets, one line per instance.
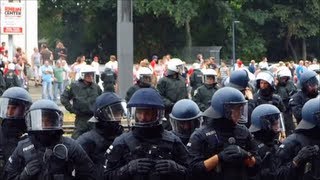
[36, 94]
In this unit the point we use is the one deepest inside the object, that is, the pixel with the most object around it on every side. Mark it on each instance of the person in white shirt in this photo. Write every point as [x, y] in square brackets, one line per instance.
[95, 64]
[113, 63]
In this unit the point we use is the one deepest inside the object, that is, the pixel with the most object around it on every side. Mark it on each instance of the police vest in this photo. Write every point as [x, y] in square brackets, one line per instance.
[311, 168]
[216, 140]
[156, 150]
[54, 167]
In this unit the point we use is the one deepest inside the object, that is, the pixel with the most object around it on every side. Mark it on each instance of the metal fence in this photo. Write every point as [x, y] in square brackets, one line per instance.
[190, 54]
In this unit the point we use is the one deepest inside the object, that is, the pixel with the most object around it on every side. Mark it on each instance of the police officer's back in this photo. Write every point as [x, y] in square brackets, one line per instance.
[147, 151]
[309, 85]
[172, 87]
[144, 77]
[109, 79]
[196, 77]
[185, 118]
[14, 103]
[203, 94]
[265, 127]
[299, 153]
[46, 154]
[223, 149]
[285, 88]
[83, 94]
[11, 79]
[108, 112]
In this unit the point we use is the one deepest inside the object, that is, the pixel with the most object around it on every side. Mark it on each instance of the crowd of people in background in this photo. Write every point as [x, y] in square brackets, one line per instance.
[202, 120]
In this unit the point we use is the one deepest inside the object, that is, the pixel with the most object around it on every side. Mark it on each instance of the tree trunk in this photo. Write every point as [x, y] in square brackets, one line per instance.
[293, 51]
[188, 39]
[304, 49]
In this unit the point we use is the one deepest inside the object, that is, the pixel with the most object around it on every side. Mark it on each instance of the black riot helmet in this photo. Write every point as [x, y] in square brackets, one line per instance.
[44, 115]
[310, 114]
[309, 83]
[228, 103]
[14, 103]
[108, 111]
[108, 107]
[239, 79]
[263, 117]
[146, 108]
[185, 117]
[44, 123]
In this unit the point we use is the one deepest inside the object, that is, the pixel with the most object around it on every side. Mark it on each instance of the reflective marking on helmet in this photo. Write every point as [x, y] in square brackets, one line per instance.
[189, 144]
[28, 148]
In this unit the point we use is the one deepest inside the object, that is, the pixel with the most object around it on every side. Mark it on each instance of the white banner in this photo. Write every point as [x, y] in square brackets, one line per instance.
[12, 19]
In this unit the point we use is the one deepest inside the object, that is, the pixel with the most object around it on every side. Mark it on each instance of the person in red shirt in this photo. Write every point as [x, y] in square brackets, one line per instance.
[3, 48]
[154, 61]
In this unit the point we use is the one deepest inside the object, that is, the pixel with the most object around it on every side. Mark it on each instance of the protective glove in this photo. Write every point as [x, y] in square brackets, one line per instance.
[233, 153]
[304, 154]
[139, 166]
[168, 166]
[31, 169]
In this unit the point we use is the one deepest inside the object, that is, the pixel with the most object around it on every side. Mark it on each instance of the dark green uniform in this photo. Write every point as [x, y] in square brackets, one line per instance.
[195, 80]
[83, 98]
[131, 91]
[172, 90]
[202, 96]
[285, 91]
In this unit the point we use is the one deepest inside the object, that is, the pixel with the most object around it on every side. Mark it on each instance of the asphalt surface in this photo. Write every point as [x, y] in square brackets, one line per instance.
[36, 94]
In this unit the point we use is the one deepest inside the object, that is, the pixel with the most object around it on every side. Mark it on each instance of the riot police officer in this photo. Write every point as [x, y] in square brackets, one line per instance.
[223, 149]
[144, 77]
[299, 153]
[185, 118]
[240, 80]
[109, 79]
[83, 94]
[196, 78]
[109, 109]
[147, 151]
[265, 127]
[46, 154]
[203, 94]
[285, 88]
[309, 85]
[172, 87]
[265, 93]
[14, 103]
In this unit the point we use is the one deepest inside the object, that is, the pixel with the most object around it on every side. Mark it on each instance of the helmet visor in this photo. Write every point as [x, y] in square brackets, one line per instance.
[44, 119]
[185, 128]
[208, 79]
[146, 117]
[272, 122]
[13, 108]
[237, 112]
[114, 112]
[180, 68]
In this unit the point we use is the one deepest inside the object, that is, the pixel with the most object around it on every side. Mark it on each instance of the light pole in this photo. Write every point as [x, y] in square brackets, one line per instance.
[233, 42]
